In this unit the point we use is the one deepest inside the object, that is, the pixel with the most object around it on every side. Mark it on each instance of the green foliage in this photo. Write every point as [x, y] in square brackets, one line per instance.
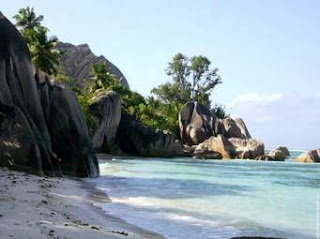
[43, 53]
[192, 80]
[27, 19]
[148, 110]
[220, 111]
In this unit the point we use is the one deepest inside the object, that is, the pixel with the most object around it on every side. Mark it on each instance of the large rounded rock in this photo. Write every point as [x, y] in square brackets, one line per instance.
[107, 108]
[135, 138]
[247, 148]
[202, 152]
[20, 147]
[217, 144]
[231, 129]
[279, 154]
[243, 128]
[42, 135]
[68, 129]
[24, 137]
[196, 123]
[312, 156]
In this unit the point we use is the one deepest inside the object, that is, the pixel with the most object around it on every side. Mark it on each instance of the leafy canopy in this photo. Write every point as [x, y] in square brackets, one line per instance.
[192, 79]
[43, 53]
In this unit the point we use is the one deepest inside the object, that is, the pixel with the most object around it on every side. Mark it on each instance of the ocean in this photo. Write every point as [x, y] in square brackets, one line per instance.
[191, 198]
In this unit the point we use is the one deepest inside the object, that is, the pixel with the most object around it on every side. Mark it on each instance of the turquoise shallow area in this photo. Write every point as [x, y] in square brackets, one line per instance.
[187, 198]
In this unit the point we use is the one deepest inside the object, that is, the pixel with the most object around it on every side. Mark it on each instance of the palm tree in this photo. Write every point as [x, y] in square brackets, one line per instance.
[43, 50]
[27, 19]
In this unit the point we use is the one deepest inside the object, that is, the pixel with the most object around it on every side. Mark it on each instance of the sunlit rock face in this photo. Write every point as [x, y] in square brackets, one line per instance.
[196, 123]
[28, 120]
[312, 156]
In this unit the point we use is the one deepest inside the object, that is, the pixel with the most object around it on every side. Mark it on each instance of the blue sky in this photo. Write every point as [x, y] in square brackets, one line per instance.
[267, 52]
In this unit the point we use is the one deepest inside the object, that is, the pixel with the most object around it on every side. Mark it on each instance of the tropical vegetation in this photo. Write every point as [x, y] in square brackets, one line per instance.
[191, 79]
[42, 48]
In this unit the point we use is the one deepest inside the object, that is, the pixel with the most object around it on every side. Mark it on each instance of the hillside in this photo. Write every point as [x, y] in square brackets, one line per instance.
[76, 61]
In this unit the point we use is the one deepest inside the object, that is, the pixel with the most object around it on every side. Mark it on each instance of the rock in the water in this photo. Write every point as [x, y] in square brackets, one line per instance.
[243, 128]
[218, 144]
[264, 158]
[22, 122]
[107, 108]
[279, 154]
[133, 137]
[68, 129]
[247, 148]
[312, 156]
[285, 150]
[76, 62]
[202, 152]
[196, 123]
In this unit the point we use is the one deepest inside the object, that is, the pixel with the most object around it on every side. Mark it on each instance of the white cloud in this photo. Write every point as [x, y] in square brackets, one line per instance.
[291, 119]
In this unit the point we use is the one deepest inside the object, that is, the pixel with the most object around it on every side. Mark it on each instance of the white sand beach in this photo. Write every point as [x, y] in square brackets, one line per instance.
[43, 207]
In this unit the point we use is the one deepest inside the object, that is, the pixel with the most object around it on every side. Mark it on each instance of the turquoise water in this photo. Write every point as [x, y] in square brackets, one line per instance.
[187, 198]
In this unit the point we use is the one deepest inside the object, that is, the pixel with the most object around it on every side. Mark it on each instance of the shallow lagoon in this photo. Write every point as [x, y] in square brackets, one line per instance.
[187, 198]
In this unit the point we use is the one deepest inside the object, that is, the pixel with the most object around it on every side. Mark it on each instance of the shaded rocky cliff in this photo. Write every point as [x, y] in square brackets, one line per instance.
[76, 61]
[43, 135]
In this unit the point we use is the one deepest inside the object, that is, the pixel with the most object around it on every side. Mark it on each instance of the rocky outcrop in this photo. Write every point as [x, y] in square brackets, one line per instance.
[68, 129]
[312, 156]
[196, 123]
[217, 147]
[247, 148]
[22, 147]
[279, 154]
[34, 137]
[231, 129]
[203, 152]
[76, 61]
[107, 108]
[135, 138]
[243, 128]
[24, 137]
[217, 144]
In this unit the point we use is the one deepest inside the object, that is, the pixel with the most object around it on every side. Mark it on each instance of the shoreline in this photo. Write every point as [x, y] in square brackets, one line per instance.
[38, 207]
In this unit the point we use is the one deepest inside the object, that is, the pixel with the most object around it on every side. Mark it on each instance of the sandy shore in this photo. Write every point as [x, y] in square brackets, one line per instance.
[42, 207]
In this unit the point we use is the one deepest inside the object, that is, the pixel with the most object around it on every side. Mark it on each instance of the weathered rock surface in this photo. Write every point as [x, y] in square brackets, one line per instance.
[243, 128]
[231, 129]
[312, 156]
[20, 147]
[68, 129]
[107, 108]
[133, 137]
[202, 152]
[24, 136]
[76, 63]
[247, 148]
[196, 123]
[218, 144]
[25, 141]
[279, 154]
[284, 150]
